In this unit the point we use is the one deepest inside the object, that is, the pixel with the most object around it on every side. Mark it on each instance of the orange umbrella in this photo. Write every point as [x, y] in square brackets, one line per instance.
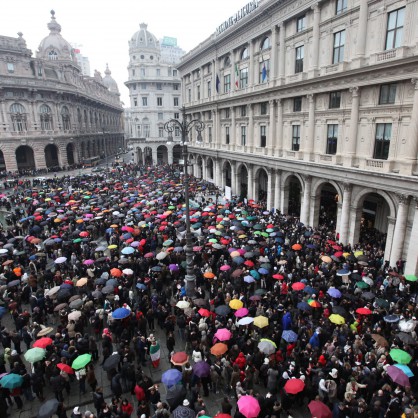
[208, 275]
[116, 272]
[296, 247]
[218, 349]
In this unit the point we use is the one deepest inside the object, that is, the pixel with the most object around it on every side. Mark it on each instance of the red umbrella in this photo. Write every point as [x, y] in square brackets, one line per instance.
[319, 409]
[43, 342]
[298, 286]
[222, 416]
[278, 276]
[296, 247]
[65, 368]
[249, 263]
[180, 358]
[364, 311]
[294, 386]
[204, 312]
[84, 234]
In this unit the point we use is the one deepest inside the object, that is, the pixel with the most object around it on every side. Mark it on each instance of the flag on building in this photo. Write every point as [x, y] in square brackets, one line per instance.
[236, 76]
[264, 72]
[218, 83]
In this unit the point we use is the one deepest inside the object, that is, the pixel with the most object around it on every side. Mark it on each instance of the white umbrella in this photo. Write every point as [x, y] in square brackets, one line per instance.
[246, 320]
[407, 326]
[60, 260]
[74, 316]
[161, 255]
[52, 291]
[182, 304]
[127, 271]
[368, 280]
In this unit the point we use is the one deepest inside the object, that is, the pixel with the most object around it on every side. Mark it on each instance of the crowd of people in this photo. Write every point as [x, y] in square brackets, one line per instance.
[282, 320]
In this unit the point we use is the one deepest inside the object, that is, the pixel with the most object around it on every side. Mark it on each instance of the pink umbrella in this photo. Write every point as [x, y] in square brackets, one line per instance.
[223, 334]
[248, 406]
[225, 267]
[88, 262]
[241, 312]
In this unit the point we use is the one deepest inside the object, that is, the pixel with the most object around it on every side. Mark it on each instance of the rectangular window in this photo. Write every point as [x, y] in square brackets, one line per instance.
[175, 86]
[143, 72]
[243, 110]
[159, 86]
[209, 86]
[146, 131]
[301, 23]
[176, 131]
[159, 101]
[387, 94]
[263, 108]
[160, 116]
[382, 141]
[176, 115]
[40, 71]
[297, 104]
[243, 135]
[174, 73]
[135, 102]
[263, 136]
[264, 71]
[160, 132]
[341, 6]
[198, 92]
[189, 95]
[227, 83]
[139, 130]
[338, 52]
[134, 87]
[332, 136]
[394, 32]
[243, 78]
[335, 100]
[133, 72]
[10, 67]
[175, 101]
[145, 101]
[158, 72]
[227, 113]
[295, 137]
[210, 133]
[227, 135]
[143, 86]
[299, 59]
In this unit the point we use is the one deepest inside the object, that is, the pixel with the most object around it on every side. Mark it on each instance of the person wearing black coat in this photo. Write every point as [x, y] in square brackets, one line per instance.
[98, 399]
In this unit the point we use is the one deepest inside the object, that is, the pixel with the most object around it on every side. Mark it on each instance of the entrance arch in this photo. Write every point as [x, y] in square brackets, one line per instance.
[227, 174]
[242, 185]
[139, 156]
[261, 185]
[199, 167]
[177, 154]
[2, 161]
[292, 190]
[148, 156]
[210, 171]
[25, 158]
[324, 206]
[162, 154]
[51, 156]
[70, 154]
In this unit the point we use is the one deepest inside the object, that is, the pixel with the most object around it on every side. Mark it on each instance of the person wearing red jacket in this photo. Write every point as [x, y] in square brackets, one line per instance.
[126, 408]
[241, 361]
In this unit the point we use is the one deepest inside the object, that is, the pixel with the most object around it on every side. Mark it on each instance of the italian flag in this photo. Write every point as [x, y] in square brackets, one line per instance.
[155, 353]
[236, 76]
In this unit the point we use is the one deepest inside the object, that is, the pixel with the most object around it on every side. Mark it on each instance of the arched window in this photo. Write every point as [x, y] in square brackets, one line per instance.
[18, 117]
[52, 55]
[85, 117]
[265, 44]
[65, 116]
[245, 54]
[227, 62]
[79, 118]
[46, 117]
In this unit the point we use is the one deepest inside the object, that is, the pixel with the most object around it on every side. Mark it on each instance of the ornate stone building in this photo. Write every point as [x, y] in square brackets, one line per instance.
[315, 110]
[50, 114]
[155, 97]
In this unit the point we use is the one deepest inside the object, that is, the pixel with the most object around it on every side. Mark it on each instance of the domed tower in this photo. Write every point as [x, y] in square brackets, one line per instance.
[109, 81]
[144, 46]
[54, 47]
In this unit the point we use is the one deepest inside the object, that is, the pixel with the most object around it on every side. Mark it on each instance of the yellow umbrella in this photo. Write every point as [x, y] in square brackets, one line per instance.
[236, 304]
[337, 319]
[326, 259]
[219, 226]
[57, 220]
[261, 321]
[112, 247]
[242, 236]
[346, 254]
[357, 253]
[81, 282]
[269, 341]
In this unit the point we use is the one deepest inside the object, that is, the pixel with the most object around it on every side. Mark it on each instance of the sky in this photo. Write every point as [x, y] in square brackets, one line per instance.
[101, 28]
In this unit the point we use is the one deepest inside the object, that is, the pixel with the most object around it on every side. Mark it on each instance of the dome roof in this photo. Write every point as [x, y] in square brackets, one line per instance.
[143, 40]
[109, 82]
[54, 47]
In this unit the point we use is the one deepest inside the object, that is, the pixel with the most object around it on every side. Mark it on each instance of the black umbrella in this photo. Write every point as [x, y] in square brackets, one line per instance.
[406, 338]
[222, 310]
[48, 408]
[339, 310]
[368, 295]
[175, 396]
[13, 283]
[63, 294]
[76, 304]
[111, 362]
[382, 303]
[183, 412]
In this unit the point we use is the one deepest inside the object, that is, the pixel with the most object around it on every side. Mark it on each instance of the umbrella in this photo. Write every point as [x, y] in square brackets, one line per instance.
[171, 377]
[380, 340]
[81, 282]
[368, 295]
[218, 349]
[261, 321]
[246, 320]
[221, 415]
[248, 406]
[111, 362]
[337, 319]
[76, 304]
[241, 312]
[11, 381]
[364, 311]
[326, 259]
[60, 260]
[406, 338]
[65, 368]
[266, 346]
[204, 312]
[121, 313]
[405, 369]
[180, 358]
[222, 310]
[382, 303]
[294, 386]
[289, 336]
[398, 376]
[74, 316]
[81, 361]
[201, 369]
[52, 291]
[175, 395]
[48, 408]
[362, 285]
[45, 331]
[319, 409]
[400, 356]
[182, 304]
[391, 318]
[183, 411]
[298, 286]
[334, 293]
[304, 306]
[116, 272]
[406, 326]
[223, 334]
[34, 354]
[236, 304]
[43, 342]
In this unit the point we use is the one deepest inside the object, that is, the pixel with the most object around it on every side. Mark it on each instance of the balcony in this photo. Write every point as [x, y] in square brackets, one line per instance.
[389, 55]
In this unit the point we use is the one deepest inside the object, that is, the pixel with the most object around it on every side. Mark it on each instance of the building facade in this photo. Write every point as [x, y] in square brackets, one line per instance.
[154, 85]
[315, 110]
[51, 115]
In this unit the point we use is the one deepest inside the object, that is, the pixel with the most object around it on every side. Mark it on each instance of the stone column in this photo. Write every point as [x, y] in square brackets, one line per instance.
[314, 210]
[277, 189]
[272, 128]
[309, 143]
[400, 229]
[233, 75]
[361, 31]
[215, 118]
[282, 52]
[202, 83]
[345, 214]
[233, 178]
[389, 237]
[251, 78]
[278, 146]
[270, 189]
[233, 134]
[273, 56]
[413, 126]
[218, 173]
[304, 211]
[315, 39]
[250, 140]
[154, 156]
[204, 169]
[351, 148]
[250, 186]
[412, 254]
[355, 216]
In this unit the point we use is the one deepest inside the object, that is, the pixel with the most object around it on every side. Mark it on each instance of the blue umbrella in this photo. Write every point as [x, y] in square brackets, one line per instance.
[303, 306]
[141, 286]
[11, 381]
[121, 313]
[290, 336]
[112, 282]
[238, 260]
[343, 272]
[405, 369]
[255, 274]
[333, 292]
[249, 279]
[128, 250]
[309, 290]
[171, 377]
[100, 281]
[263, 270]
[391, 318]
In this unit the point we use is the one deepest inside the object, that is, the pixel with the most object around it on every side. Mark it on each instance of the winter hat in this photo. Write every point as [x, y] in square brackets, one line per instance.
[76, 410]
[186, 402]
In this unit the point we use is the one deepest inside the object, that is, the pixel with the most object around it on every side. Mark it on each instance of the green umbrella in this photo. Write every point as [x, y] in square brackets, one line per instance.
[171, 207]
[264, 234]
[213, 240]
[167, 243]
[77, 240]
[400, 356]
[81, 361]
[411, 278]
[34, 354]
[362, 285]
[258, 226]
[86, 197]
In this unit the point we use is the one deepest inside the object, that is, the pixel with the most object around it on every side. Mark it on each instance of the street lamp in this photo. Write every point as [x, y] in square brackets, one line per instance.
[184, 128]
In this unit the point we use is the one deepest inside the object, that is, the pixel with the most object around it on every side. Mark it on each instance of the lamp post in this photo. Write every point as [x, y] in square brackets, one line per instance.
[184, 128]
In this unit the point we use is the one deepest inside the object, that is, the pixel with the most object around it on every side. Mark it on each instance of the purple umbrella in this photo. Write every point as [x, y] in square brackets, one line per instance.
[398, 376]
[171, 377]
[173, 267]
[201, 369]
[334, 293]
